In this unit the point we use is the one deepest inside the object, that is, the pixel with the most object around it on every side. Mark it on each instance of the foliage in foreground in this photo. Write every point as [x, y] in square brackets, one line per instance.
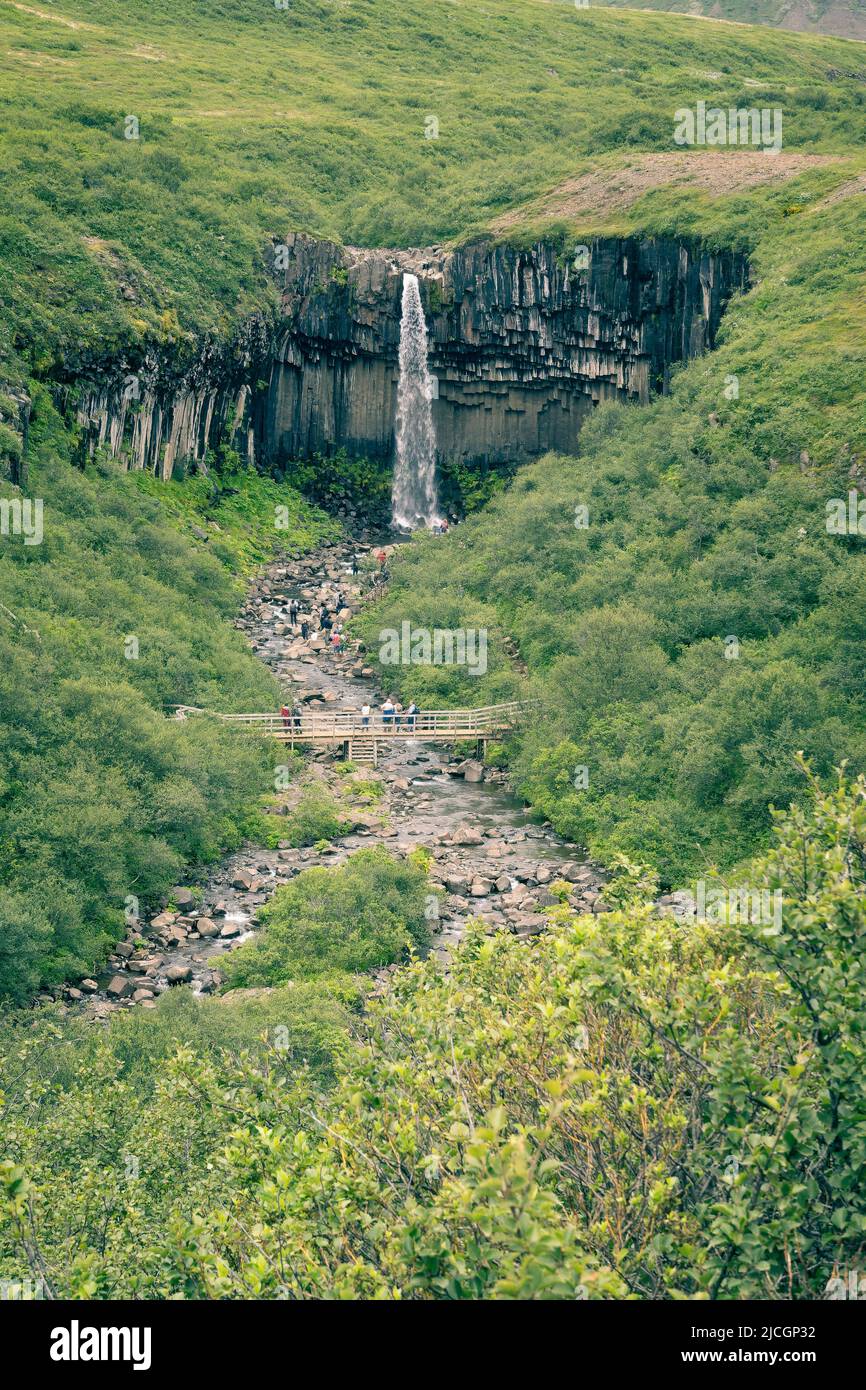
[626, 1106]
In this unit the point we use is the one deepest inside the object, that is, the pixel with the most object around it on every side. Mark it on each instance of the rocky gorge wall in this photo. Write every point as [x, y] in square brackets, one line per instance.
[175, 404]
[523, 343]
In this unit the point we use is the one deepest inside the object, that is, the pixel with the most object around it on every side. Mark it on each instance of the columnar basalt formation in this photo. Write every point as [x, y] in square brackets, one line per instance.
[175, 403]
[523, 342]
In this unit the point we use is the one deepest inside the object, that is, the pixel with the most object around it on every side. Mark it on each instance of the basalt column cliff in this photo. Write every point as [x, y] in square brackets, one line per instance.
[522, 342]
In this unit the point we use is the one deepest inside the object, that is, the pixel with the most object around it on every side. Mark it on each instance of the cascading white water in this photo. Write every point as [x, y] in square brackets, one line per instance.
[413, 498]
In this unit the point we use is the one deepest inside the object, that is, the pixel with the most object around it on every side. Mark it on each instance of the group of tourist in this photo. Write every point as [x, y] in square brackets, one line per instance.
[393, 714]
[325, 621]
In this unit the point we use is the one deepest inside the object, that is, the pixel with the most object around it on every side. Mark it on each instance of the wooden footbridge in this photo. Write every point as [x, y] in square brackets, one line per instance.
[363, 736]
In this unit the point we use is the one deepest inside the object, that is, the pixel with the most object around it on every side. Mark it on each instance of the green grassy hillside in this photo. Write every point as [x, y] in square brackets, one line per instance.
[845, 18]
[251, 120]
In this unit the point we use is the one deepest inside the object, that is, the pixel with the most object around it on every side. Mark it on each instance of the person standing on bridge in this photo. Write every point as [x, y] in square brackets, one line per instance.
[296, 718]
[388, 712]
[285, 715]
[365, 716]
[411, 716]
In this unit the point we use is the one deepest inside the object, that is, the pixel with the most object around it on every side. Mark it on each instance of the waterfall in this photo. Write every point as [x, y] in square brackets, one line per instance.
[413, 498]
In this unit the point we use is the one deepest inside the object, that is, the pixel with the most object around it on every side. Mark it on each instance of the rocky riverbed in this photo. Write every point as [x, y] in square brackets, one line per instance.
[489, 860]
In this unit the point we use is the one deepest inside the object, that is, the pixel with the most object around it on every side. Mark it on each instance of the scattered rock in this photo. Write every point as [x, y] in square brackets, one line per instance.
[465, 835]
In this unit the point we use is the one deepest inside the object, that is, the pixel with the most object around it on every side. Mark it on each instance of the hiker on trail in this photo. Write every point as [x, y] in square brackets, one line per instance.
[411, 716]
[293, 611]
[305, 629]
[286, 715]
[327, 622]
[355, 565]
[365, 716]
[336, 640]
[388, 712]
[381, 557]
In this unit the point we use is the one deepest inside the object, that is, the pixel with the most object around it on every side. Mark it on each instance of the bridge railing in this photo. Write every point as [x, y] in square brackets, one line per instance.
[345, 724]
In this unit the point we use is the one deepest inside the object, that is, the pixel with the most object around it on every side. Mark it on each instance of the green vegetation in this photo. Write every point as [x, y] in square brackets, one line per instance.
[115, 616]
[316, 817]
[245, 517]
[364, 915]
[707, 522]
[624, 1106]
[627, 1104]
[108, 243]
[340, 481]
[846, 19]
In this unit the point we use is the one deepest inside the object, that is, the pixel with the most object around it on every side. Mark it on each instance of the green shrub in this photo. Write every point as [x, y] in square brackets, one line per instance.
[315, 818]
[366, 914]
[624, 1105]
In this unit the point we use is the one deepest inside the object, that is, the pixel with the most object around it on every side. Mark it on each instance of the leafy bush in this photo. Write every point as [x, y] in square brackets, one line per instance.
[315, 818]
[363, 915]
[623, 1106]
[339, 480]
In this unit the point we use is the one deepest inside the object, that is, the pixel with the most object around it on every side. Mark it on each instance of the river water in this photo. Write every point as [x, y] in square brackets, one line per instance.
[490, 860]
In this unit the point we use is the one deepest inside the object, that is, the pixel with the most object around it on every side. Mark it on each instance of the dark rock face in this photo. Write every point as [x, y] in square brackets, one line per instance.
[177, 402]
[523, 342]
